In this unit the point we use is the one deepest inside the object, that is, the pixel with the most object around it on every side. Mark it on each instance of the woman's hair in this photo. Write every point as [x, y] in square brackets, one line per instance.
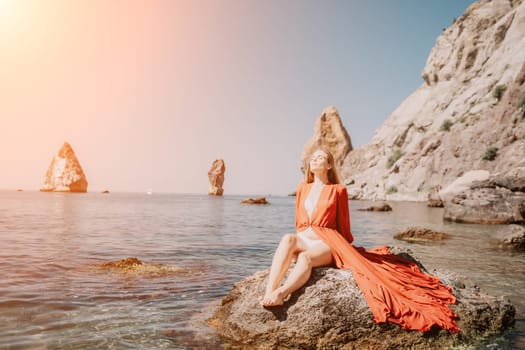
[333, 175]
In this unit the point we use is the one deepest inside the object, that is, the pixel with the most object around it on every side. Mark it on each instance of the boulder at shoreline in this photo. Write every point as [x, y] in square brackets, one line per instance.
[330, 312]
[499, 199]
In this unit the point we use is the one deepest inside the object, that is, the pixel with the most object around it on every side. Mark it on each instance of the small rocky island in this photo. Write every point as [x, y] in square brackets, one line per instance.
[65, 173]
[216, 178]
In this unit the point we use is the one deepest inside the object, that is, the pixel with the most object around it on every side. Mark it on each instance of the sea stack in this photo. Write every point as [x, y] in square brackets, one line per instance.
[216, 178]
[330, 134]
[65, 173]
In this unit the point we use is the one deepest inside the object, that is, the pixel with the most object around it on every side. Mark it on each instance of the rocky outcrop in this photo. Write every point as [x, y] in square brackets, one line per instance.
[421, 235]
[500, 199]
[216, 178]
[330, 134]
[330, 312]
[259, 200]
[512, 237]
[65, 173]
[467, 115]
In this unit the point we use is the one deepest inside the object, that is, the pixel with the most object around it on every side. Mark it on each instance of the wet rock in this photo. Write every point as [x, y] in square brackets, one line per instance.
[384, 207]
[133, 265]
[330, 312]
[512, 237]
[216, 178]
[65, 173]
[259, 200]
[421, 234]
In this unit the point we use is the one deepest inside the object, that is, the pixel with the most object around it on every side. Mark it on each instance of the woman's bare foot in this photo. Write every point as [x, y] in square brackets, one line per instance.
[275, 298]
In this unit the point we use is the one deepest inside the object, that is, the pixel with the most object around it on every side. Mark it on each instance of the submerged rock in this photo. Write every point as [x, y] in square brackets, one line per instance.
[133, 265]
[216, 178]
[65, 173]
[330, 312]
[260, 200]
[420, 234]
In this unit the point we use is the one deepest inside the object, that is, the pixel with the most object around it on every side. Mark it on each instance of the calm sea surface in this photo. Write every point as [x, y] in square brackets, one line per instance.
[53, 295]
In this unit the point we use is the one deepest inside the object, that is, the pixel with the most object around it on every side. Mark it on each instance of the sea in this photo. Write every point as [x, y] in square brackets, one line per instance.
[56, 292]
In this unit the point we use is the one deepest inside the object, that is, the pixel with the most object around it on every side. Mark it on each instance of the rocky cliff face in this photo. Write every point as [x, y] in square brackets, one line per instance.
[330, 134]
[216, 178]
[65, 173]
[469, 113]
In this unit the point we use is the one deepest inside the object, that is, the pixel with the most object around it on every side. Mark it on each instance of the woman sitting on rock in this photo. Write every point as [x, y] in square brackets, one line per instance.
[395, 288]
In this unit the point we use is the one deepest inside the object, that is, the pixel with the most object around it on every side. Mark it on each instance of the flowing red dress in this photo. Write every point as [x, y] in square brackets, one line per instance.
[395, 288]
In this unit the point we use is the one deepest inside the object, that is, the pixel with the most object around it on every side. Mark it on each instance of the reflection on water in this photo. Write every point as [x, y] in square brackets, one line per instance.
[52, 297]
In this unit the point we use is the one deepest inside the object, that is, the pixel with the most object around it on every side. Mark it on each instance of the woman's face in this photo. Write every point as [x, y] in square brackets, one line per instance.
[319, 162]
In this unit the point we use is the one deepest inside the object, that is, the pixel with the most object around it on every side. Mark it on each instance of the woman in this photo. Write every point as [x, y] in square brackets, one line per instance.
[395, 289]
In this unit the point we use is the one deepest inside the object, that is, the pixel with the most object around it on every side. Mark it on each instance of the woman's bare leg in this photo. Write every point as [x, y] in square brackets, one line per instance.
[281, 262]
[319, 255]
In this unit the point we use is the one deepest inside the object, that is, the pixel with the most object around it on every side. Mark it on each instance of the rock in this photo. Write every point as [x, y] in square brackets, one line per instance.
[384, 207]
[486, 206]
[216, 178]
[434, 200]
[65, 173]
[421, 234]
[512, 237]
[463, 183]
[135, 266]
[330, 312]
[495, 200]
[292, 194]
[449, 123]
[105, 192]
[330, 134]
[260, 200]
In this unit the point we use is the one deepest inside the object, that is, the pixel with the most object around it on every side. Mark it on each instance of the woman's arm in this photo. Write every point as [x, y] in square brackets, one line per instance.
[343, 214]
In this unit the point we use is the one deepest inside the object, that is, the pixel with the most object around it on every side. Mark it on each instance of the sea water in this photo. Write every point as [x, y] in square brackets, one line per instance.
[55, 295]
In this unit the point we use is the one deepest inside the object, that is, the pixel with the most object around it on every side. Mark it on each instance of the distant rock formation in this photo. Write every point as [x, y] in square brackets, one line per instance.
[65, 173]
[259, 200]
[383, 207]
[329, 133]
[330, 312]
[216, 178]
[468, 114]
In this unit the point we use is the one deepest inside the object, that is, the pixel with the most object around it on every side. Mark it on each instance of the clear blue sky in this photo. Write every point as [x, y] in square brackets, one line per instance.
[149, 93]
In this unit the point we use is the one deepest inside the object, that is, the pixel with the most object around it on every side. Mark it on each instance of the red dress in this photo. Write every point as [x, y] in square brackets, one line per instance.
[395, 288]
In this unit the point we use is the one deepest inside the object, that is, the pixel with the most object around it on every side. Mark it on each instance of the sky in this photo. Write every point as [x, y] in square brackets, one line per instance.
[150, 92]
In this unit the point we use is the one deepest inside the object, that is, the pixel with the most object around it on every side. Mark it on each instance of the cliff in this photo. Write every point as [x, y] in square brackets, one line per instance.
[468, 114]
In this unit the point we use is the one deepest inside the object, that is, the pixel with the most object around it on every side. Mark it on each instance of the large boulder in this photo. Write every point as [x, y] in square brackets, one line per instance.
[330, 134]
[497, 200]
[511, 237]
[216, 178]
[330, 312]
[65, 173]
